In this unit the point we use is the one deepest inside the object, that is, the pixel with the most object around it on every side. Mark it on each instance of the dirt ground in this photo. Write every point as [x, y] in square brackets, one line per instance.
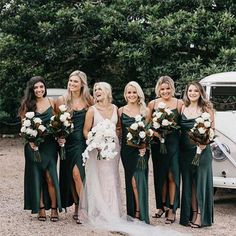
[15, 221]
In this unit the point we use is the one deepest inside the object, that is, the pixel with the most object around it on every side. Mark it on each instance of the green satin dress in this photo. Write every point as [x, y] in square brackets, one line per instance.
[34, 178]
[201, 176]
[74, 147]
[133, 168]
[165, 163]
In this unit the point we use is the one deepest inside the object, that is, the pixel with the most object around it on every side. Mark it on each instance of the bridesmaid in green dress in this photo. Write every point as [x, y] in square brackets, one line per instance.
[77, 99]
[136, 175]
[41, 187]
[197, 191]
[166, 166]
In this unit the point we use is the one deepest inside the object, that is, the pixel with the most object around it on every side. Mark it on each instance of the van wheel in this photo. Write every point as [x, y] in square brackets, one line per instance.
[215, 189]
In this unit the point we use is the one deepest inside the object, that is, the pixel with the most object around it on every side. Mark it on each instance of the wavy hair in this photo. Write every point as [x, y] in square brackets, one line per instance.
[84, 92]
[203, 102]
[164, 80]
[141, 97]
[28, 102]
[106, 88]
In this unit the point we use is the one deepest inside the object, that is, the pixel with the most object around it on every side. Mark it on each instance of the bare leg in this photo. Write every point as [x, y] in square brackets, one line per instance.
[135, 190]
[76, 201]
[42, 212]
[194, 204]
[161, 211]
[52, 194]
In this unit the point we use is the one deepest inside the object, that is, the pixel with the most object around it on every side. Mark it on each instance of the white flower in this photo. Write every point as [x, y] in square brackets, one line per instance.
[150, 132]
[205, 115]
[199, 120]
[201, 130]
[29, 114]
[134, 126]
[138, 118]
[141, 124]
[34, 133]
[161, 105]
[192, 130]
[62, 108]
[52, 118]
[211, 134]
[26, 123]
[158, 114]
[129, 136]
[156, 125]
[23, 129]
[42, 128]
[62, 118]
[37, 120]
[168, 111]
[165, 122]
[207, 124]
[142, 134]
[66, 123]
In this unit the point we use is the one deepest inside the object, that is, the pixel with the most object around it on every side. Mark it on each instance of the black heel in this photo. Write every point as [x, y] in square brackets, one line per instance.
[159, 215]
[168, 220]
[54, 218]
[75, 216]
[43, 216]
[196, 226]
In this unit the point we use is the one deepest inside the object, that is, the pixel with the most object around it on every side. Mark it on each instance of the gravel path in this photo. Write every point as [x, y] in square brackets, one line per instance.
[15, 221]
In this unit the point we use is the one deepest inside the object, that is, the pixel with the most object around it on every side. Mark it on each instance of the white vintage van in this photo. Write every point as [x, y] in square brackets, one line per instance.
[221, 90]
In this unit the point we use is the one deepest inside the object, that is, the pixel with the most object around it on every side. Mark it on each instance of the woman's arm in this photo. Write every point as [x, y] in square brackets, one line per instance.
[88, 122]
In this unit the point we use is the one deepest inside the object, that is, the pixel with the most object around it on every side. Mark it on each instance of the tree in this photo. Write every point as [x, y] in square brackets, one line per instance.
[113, 41]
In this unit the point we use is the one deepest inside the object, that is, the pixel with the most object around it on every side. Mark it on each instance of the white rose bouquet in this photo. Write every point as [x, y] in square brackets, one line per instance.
[139, 136]
[164, 123]
[102, 138]
[33, 131]
[61, 126]
[201, 133]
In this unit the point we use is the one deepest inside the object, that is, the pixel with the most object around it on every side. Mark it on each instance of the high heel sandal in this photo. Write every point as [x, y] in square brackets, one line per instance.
[168, 220]
[191, 222]
[54, 218]
[76, 216]
[196, 226]
[42, 217]
[159, 215]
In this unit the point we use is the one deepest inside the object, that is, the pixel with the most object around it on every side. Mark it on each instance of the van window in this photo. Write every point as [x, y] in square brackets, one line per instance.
[223, 98]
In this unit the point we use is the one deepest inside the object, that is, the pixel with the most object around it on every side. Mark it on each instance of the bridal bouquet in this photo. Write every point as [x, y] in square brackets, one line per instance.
[163, 122]
[61, 126]
[101, 137]
[201, 133]
[33, 131]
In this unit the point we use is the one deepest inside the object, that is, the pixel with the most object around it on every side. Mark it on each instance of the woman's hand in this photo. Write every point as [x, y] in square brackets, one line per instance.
[61, 141]
[142, 152]
[156, 134]
[201, 146]
[32, 145]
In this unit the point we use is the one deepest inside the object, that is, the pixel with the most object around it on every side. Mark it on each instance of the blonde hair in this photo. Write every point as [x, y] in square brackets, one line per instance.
[203, 102]
[141, 97]
[106, 88]
[84, 92]
[164, 80]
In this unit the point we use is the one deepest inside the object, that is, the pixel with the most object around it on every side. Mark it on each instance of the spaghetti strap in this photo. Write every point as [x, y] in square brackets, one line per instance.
[50, 102]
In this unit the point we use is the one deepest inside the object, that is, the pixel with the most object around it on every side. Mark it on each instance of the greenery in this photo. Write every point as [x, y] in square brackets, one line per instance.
[113, 41]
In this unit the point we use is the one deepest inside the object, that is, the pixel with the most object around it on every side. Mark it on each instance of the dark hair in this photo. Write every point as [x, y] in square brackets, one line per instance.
[28, 102]
[203, 102]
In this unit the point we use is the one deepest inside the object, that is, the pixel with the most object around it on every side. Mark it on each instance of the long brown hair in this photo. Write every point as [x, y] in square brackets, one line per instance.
[203, 102]
[28, 102]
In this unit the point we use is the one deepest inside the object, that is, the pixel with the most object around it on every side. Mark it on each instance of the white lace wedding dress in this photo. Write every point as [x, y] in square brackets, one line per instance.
[100, 204]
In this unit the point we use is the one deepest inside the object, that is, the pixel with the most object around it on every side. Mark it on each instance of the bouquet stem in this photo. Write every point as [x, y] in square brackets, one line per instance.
[62, 152]
[163, 149]
[196, 159]
[37, 157]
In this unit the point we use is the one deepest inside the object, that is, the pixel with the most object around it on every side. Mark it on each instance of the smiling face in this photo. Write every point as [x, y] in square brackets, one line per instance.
[193, 93]
[165, 91]
[74, 83]
[99, 93]
[39, 90]
[131, 94]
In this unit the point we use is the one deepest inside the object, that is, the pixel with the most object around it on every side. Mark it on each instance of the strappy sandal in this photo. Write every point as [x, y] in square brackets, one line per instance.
[168, 220]
[42, 217]
[76, 216]
[54, 218]
[196, 226]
